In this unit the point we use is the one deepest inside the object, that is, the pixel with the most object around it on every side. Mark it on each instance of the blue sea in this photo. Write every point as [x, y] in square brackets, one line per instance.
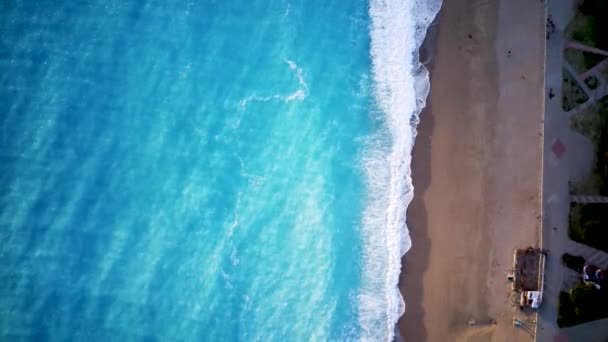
[206, 170]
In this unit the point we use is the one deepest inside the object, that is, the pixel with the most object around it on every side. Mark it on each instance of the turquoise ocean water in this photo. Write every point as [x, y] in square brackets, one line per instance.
[206, 170]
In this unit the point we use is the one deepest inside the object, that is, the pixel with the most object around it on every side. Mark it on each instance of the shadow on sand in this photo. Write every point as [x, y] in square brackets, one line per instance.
[415, 262]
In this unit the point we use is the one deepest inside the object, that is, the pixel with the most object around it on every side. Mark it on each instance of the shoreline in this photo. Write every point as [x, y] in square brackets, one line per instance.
[412, 290]
[476, 170]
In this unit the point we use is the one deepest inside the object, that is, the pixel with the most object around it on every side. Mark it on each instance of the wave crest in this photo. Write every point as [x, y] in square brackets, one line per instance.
[401, 85]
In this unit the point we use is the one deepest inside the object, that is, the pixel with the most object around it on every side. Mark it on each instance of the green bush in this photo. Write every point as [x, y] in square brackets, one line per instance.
[592, 82]
[583, 304]
[601, 148]
[581, 36]
[588, 224]
[589, 303]
[591, 59]
[565, 312]
[597, 30]
[574, 262]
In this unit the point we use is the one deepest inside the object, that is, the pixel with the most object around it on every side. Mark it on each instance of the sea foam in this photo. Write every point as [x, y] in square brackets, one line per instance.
[401, 85]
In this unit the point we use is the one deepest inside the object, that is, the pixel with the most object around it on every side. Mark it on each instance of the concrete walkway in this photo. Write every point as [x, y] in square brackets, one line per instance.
[577, 78]
[595, 331]
[597, 93]
[588, 199]
[593, 95]
[592, 256]
[570, 44]
[567, 156]
[595, 71]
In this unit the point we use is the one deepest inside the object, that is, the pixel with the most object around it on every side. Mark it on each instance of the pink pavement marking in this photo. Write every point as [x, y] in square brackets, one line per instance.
[561, 337]
[558, 149]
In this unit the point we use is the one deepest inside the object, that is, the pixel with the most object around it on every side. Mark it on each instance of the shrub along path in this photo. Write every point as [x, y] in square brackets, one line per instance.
[595, 71]
[593, 94]
[592, 256]
[571, 166]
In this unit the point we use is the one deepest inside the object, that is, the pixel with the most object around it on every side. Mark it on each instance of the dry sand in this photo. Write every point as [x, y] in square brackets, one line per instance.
[477, 172]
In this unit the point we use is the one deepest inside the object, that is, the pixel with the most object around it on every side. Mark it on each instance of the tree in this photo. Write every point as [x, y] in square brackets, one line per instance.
[597, 11]
[587, 302]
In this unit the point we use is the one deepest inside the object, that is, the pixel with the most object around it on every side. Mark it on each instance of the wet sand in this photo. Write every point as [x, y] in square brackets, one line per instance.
[476, 171]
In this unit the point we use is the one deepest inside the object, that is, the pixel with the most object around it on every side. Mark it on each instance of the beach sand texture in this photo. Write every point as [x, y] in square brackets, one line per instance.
[476, 170]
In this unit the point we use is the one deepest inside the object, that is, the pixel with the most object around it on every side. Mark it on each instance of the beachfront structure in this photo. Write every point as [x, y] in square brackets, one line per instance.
[528, 276]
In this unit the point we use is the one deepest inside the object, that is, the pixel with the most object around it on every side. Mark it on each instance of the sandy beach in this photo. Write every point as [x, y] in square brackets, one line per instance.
[477, 171]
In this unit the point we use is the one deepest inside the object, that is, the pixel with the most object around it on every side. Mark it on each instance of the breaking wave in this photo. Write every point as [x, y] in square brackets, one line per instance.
[401, 85]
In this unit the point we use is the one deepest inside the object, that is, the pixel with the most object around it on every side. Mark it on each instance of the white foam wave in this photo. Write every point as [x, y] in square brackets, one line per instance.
[234, 259]
[297, 95]
[300, 94]
[294, 67]
[401, 85]
[243, 103]
[286, 13]
[226, 279]
[234, 224]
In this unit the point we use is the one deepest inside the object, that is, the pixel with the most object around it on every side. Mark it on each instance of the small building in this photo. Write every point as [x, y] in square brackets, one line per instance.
[531, 299]
[528, 276]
